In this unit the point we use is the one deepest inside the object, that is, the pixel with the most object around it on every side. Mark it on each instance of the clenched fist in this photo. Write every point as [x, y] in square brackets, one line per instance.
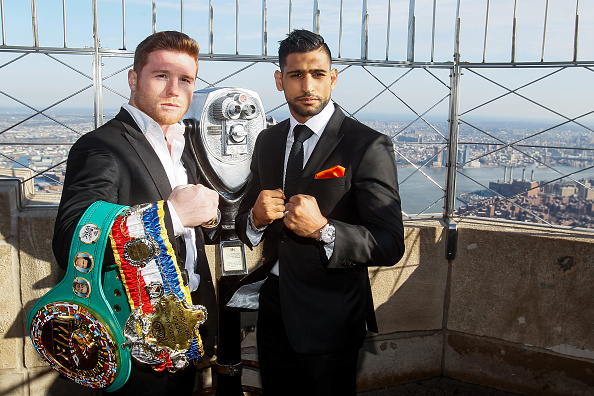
[195, 204]
[269, 206]
[303, 216]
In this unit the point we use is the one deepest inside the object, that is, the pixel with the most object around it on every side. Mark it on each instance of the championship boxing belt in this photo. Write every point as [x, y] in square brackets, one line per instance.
[75, 327]
[163, 327]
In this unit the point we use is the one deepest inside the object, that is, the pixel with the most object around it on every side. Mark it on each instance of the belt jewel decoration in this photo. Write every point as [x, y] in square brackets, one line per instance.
[162, 329]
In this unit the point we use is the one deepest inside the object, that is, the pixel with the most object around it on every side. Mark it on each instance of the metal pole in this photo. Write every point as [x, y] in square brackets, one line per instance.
[388, 30]
[290, 14]
[64, 21]
[364, 32]
[433, 31]
[236, 27]
[577, 23]
[3, 23]
[486, 30]
[229, 364]
[264, 28]
[514, 32]
[97, 73]
[544, 30]
[34, 22]
[181, 12]
[210, 26]
[453, 121]
[453, 124]
[316, 18]
[340, 30]
[123, 24]
[411, 32]
[154, 17]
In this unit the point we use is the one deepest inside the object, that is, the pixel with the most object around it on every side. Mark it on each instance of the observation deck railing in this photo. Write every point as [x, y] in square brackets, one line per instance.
[429, 74]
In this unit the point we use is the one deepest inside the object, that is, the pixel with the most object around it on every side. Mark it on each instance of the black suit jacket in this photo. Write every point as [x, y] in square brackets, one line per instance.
[115, 163]
[327, 303]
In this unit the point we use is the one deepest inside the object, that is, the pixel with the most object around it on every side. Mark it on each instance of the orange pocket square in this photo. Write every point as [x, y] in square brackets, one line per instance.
[335, 171]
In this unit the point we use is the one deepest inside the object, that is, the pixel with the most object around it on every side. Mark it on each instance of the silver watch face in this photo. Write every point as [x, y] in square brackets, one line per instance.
[328, 233]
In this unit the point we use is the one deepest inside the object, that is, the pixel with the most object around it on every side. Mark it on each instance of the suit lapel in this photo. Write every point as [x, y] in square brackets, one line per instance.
[146, 153]
[326, 145]
[188, 161]
[276, 150]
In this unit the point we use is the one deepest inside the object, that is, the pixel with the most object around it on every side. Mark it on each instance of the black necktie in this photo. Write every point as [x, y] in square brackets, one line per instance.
[295, 163]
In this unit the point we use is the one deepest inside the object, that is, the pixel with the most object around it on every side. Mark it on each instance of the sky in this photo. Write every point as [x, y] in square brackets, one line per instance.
[40, 80]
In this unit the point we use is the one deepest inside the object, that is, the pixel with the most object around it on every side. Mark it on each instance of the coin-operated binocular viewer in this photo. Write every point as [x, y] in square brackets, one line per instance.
[222, 125]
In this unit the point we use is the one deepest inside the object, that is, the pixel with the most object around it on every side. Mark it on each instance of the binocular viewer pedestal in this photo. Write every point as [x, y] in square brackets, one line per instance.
[221, 130]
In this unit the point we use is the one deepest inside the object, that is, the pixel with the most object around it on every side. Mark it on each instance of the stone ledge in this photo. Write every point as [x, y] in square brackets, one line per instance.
[523, 285]
[515, 368]
[387, 362]
[524, 228]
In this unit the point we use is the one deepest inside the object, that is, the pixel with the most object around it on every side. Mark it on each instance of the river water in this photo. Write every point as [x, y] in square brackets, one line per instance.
[418, 192]
[420, 195]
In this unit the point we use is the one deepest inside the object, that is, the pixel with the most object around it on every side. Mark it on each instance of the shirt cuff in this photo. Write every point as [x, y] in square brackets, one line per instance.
[255, 237]
[253, 233]
[178, 227]
[329, 249]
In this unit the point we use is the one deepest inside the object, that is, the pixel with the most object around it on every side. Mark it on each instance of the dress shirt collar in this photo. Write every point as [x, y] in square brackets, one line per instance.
[316, 123]
[170, 158]
[148, 125]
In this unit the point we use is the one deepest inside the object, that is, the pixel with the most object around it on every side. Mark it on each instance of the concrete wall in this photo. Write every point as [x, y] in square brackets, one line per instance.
[520, 311]
[513, 311]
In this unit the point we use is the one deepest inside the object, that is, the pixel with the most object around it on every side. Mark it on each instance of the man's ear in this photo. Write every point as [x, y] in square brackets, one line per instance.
[278, 78]
[333, 78]
[132, 78]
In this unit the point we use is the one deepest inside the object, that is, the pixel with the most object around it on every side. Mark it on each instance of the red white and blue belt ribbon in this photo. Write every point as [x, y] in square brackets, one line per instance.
[162, 329]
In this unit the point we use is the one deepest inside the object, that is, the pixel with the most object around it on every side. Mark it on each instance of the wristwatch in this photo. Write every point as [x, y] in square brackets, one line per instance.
[214, 222]
[327, 233]
[251, 222]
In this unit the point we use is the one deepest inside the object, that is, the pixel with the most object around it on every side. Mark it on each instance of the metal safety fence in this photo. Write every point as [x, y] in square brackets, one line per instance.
[469, 91]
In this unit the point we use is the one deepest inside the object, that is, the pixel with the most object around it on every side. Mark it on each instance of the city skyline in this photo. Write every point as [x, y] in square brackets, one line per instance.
[43, 144]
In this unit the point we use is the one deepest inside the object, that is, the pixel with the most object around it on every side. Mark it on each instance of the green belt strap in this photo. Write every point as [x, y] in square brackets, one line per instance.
[77, 326]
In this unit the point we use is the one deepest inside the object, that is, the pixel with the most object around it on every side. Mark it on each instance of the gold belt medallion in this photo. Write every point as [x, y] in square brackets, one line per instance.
[167, 332]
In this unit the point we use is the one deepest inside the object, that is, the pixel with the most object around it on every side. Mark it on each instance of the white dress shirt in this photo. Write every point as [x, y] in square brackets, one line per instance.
[317, 124]
[176, 173]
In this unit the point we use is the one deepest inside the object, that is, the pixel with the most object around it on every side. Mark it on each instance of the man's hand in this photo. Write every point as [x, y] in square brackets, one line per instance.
[269, 206]
[194, 204]
[303, 216]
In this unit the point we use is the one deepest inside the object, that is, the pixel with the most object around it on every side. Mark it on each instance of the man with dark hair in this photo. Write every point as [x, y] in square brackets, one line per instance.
[301, 41]
[323, 197]
[141, 157]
